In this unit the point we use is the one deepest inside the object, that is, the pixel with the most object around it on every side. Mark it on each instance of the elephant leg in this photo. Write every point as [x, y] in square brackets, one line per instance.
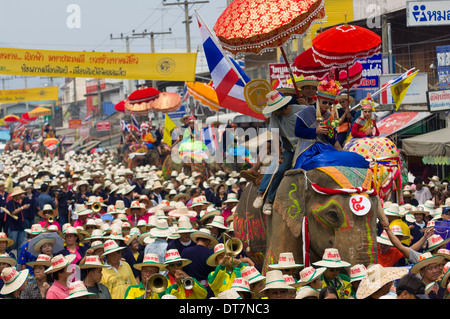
[280, 239]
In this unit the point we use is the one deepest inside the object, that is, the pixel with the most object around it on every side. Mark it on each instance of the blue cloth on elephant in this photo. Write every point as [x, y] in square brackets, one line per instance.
[317, 150]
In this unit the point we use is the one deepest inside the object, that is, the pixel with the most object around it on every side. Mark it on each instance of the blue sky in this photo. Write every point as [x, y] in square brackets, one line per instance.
[42, 24]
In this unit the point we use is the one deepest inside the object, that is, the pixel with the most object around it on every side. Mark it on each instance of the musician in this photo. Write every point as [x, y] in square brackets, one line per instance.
[48, 215]
[148, 267]
[181, 284]
[15, 226]
[45, 198]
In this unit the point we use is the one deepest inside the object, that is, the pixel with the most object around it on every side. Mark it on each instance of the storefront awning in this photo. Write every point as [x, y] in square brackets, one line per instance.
[434, 146]
[399, 121]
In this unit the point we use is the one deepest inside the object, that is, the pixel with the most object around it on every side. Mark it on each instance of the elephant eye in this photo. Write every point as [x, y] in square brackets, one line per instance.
[330, 214]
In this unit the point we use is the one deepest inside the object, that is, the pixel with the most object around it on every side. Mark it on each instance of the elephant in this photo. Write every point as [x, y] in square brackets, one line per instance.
[306, 219]
[386, 162]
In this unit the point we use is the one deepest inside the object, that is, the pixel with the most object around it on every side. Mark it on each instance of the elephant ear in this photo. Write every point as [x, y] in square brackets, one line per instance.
[290, 200]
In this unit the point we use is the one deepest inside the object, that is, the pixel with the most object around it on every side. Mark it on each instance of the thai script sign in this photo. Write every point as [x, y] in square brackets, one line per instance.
[427, 13]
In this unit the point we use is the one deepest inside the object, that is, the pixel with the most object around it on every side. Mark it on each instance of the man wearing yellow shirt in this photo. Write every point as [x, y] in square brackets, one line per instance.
[149, 267]
[181, 284]
[227, 269]
[117, 275]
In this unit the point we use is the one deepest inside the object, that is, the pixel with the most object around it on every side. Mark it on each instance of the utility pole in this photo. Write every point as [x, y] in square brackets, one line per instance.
[127, 40]
[187, 20]
[152, 43]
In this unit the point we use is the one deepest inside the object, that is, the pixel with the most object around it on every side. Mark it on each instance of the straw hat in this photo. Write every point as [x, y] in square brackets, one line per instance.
[182, 210]
[377, 276]
[92, 261]
[41, 260]
[60, 262]
[9, 241]
[162, 229]
[5, 258]
[218, 249]
[13, 279]
[397, 231]
[48, 208]
[424, 260]
[134, 205]
[435, 241]
[275, 280]
[74, 231]
[429, 206]
[82, 210]
[111, 246]
[173, 256]
[77, 289]
[444, 253]
[252, 274]
[308, 81]
[35, 230]
[41, 242]
[204, 233]
[285, 261]
[218, 221]
[307, 291]
[16, 191]
[308, 275]
[384, 239]
[184, 225]
[241, 284]
[446, 271]
[394, 210]
[150, 259]
[229, 294]
[331, 259]
[231, 198]
[357, 272]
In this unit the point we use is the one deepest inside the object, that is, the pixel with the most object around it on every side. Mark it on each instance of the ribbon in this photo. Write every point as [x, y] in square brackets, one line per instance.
[305, 235]
[331, 191]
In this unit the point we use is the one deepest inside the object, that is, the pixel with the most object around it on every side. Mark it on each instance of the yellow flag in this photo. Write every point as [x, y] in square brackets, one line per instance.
[169, 125]
[399, 89]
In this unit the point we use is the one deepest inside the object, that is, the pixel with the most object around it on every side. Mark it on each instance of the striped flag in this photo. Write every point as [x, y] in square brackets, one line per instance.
[185, 94]
[125, 126]
[134, 124]
[228, 78]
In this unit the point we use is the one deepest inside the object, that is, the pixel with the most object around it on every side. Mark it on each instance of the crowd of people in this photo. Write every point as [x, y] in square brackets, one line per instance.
[86, 226]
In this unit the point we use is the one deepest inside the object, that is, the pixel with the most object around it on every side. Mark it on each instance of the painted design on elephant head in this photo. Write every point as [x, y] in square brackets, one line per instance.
[328, 215]
[295, 205]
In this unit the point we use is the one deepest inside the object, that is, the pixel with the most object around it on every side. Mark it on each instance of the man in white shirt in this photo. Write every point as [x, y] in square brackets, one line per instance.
[422, 193]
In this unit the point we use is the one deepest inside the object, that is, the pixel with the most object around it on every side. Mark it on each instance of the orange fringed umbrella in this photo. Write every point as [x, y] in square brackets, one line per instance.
[205, 93]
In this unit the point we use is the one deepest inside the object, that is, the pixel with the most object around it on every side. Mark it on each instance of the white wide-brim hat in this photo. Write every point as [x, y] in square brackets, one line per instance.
[331, 259]
[377, 276]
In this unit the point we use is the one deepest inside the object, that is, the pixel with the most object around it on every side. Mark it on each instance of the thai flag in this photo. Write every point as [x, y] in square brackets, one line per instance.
[134, 124]
[228, 78]
[125, 126]
[88, 118]
[185, 94]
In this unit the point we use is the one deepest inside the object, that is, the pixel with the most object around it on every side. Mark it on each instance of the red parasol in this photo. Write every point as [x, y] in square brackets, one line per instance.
[11, 118]
[342, 45]
[354, 77]
[143, 95]
[307, 66]
[120, 107]
[166, 102]
[26, 118]
[255, 25]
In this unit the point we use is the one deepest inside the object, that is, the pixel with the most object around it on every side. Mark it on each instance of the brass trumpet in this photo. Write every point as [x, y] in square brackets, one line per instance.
[158, 283]
[96, 207]
[233, 245]
[50, 219]
[187, 282]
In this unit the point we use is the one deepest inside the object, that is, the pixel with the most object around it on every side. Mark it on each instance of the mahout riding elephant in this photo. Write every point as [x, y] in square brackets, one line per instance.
[313, 210]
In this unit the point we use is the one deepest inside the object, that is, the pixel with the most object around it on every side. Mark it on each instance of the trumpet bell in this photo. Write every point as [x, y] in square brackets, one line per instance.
[96, 207]
[234, 245]
[188, 283]
[50, 219]
[158, 283]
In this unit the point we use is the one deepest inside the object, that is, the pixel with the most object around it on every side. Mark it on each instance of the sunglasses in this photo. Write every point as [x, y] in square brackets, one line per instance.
[328, 102]
[176, 264]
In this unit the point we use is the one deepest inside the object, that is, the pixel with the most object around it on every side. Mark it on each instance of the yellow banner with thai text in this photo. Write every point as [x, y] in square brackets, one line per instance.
[135, 66]
[36, 94]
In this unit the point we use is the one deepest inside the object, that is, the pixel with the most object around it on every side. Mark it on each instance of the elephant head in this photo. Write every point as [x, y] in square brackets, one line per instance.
[320, 205]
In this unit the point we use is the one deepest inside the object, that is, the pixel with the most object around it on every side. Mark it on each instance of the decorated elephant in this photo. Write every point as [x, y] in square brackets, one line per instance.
[313, 210]
[386, 162]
